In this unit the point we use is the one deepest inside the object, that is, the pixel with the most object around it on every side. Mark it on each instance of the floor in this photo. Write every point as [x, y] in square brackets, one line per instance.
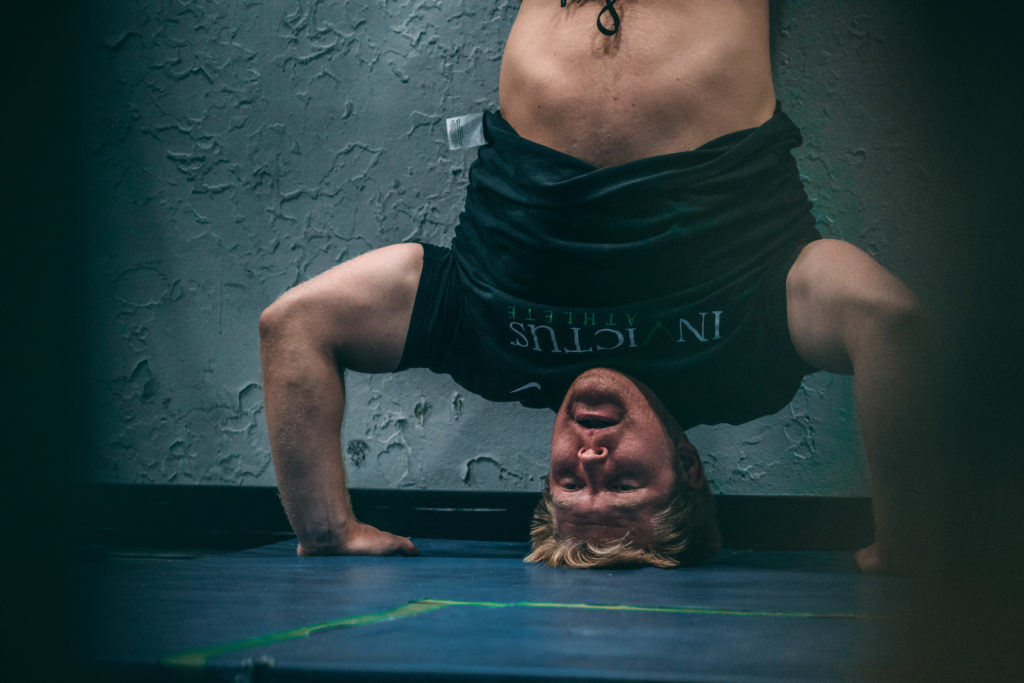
[467, 610]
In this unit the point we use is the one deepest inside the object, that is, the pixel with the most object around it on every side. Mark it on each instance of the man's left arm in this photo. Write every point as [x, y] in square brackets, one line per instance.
[847, 314]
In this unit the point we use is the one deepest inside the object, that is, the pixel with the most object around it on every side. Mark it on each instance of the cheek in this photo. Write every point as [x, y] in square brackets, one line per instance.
[563, 446]
[655, 445]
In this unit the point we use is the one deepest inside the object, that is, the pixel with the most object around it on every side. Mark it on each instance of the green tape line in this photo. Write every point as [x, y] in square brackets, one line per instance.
[638, 608]
[195, 660]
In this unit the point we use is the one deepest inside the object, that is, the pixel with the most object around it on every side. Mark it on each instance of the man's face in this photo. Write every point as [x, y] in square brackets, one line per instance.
[614, 459]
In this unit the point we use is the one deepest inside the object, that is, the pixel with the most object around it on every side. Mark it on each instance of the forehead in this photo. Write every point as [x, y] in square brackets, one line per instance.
[606, 520]
[640, 533]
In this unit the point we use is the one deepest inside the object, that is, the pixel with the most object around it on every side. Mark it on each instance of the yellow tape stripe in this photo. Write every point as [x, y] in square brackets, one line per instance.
[196, 659]
[638, 608]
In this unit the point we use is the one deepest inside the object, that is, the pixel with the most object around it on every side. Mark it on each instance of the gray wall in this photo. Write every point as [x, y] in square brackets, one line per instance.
[235, 149]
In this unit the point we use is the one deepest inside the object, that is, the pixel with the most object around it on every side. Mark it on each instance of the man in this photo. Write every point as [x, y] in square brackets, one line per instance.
[636, 208]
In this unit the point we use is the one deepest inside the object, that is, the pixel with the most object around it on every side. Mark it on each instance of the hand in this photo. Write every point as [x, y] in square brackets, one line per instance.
[874, 560]
[868, 561]
[363, 539]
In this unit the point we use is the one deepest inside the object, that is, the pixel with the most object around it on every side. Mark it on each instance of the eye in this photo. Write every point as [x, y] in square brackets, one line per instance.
[570, 485]
[622, 486]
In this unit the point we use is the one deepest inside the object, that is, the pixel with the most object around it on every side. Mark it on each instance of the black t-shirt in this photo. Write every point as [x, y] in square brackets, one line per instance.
[671, 269]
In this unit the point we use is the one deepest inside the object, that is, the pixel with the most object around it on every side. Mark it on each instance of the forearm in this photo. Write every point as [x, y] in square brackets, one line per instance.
[305, 399]
[894, 433]
[897, 419]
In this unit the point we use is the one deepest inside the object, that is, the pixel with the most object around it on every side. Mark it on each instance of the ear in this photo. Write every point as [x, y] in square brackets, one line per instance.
[691, 469]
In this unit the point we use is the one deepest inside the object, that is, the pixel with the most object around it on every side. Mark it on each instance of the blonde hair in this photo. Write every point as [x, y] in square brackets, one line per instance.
[684, 533]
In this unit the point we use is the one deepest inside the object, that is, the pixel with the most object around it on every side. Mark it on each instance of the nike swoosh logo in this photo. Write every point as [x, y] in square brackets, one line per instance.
[531, 385]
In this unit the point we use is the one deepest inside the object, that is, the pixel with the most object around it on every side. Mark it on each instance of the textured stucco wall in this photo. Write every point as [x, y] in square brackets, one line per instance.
[236, 148]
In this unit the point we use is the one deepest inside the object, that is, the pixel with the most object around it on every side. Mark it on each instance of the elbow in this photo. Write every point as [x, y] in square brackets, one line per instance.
[283, 320]
[273, 321]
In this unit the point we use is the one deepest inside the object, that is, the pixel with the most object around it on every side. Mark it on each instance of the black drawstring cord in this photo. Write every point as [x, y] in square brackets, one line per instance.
[609, 7]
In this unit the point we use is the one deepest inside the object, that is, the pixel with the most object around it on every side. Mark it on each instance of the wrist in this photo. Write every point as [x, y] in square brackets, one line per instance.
[327, 538]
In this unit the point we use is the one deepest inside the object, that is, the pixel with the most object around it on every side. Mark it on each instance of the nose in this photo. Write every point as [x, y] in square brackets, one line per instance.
[593, 460]
[593, 454]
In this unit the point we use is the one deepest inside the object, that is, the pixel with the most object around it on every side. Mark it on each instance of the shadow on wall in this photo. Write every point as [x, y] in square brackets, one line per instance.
[971, 623]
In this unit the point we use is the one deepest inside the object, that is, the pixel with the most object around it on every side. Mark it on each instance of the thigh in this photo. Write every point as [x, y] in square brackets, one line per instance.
[359, 311]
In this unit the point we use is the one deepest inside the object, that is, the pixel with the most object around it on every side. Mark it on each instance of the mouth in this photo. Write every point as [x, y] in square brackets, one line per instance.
[597, 415]
[597, 399]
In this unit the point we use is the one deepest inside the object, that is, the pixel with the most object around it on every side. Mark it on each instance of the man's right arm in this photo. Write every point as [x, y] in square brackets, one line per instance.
[354, 316]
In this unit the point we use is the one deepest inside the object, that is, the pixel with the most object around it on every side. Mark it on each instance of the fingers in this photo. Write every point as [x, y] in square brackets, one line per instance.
[407, 548]
[367, 540]
[871, 560]
[392, 545]
[868, 560]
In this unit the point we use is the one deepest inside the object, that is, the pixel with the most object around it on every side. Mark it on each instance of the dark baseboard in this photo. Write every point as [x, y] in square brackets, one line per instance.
[224, 517]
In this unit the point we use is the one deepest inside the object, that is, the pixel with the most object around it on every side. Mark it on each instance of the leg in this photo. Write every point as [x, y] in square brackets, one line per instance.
[354, 316]
[848, 314]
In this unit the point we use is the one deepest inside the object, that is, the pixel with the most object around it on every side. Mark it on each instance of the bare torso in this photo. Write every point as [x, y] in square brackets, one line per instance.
[678, 74]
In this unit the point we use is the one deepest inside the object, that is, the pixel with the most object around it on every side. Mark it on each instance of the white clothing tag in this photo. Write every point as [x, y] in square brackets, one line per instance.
[466, 131]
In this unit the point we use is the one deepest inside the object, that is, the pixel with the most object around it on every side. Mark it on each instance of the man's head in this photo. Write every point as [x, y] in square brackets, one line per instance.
[625, 486]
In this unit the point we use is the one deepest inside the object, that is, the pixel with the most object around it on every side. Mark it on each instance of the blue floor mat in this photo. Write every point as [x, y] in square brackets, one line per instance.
[469, 610]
